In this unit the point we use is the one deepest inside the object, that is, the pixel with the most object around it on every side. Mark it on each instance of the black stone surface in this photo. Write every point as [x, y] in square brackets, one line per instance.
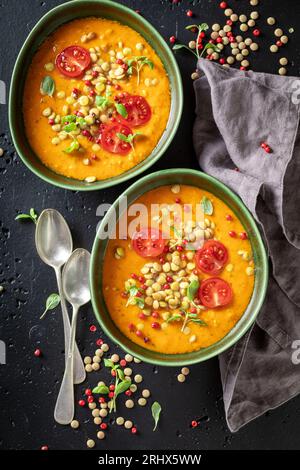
[29, 385]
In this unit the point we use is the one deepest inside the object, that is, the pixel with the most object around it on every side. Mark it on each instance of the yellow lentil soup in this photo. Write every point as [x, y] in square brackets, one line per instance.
[96, 100]
[168, 296]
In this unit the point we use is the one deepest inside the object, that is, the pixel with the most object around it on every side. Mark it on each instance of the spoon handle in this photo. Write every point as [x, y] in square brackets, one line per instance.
[79, 370]
[64, 408]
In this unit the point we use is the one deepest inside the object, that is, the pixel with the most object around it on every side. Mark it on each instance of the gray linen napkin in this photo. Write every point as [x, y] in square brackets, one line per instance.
[235, 112]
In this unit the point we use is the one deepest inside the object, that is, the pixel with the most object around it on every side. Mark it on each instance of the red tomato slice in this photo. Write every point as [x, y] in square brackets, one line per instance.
[212, 257]
[110, 140]
[148, 242]
[138, 109]
[215, 292]
[73, 60]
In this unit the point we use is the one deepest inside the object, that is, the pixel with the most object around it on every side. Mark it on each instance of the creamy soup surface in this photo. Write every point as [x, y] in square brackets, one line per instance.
[180, 299]
[96, 99]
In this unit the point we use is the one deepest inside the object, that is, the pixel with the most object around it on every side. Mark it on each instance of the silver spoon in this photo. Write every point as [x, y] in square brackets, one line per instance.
[77, 290]
[54, 245]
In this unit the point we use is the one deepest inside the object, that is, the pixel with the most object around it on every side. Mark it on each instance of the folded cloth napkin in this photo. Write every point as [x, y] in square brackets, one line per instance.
[235, 112]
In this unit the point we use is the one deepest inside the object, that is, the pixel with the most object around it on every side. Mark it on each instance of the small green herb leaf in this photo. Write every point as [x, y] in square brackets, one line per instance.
[47, 86]
[122, 387]
[207, 206]
[68, 118]
[192, 289]
[32, 216]
[73, 147]
[156, 410]
[203, 26]
[198, 321]
[121, 110]
[108, 363]
[51, 303]
[71, 127]
[103, 389]
[120, 374]
[174, 317]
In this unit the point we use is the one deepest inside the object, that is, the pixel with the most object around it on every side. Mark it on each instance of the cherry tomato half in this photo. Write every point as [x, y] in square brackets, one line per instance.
[215, 292]
[148, 242]
[73, 61]
[212, 257]
[138, 109]
[111, 142]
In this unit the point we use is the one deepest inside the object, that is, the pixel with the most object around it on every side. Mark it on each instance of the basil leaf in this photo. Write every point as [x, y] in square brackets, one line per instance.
[174, 318]
[69, 118]
[70, 127]
[192, 289]
[123, 137]
[47, 86]
[133, 290]
[23, 216]
[103, 389]
[33, 214]
[156, 410]
[198, 321]
[192, 26]
[179, 46]
[52, 302]
[74, 146]
[120, 374]
[121, 110]
[108, 363]
[207, 206]
[122, 387]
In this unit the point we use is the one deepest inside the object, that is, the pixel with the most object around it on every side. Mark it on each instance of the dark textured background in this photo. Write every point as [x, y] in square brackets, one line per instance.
[29, 386]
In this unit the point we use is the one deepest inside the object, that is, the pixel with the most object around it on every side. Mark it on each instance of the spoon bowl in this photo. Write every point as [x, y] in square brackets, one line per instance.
[76, 278]
[53, 238]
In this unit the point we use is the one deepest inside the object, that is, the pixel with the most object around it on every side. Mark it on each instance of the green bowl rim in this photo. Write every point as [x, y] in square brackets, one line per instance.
[101, 184]
[256, 233]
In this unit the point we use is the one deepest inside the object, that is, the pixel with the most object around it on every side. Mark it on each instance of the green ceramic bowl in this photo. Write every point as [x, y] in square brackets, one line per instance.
[203, 181]
[49, 23]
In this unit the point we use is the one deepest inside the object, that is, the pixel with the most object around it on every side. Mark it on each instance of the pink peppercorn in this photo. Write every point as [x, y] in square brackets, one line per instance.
[103, 426]
[155, 325]
[131, 326]
[88, 392]
[229, 217]
[179, 248]
[44, 448]
[128, 393]
[177, 200]
[166, 286]
[95, 74]
[169, 279]
[37, 353]
[256, 32]
[139, 333]
[133, 430]
[189, 13]
[51, 122]
[172, 39]
[232, 234]
[142, 316]
[223, 5]
[141, 279]
[243, 236]
[81, 403]
[279, 43]
[90, 399]
[123, 363]
[194, 424]
[111, 394]
[193, 310]
[93, 328]
[222, 61]
[99, 342]
[155, 315]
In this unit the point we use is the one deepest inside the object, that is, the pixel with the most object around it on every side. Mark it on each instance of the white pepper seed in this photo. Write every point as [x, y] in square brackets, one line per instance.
[133, 388]
[146, 393]
[243, 18]
[97, 359]
[128, 424]
[138, 378]
[194, 76]
[185, 371]
[96, 413]
[127, 371]
[254, 3]
[230, 60]
[216, 27]
[245, 52]
[234, 17]
[136, 360]
[244, 27]
[74, 424]
[254, 46]
[181, 378]
[99, 352]
[97, 420]
[273, 48]
[120, 421]
[214, 35]
[101, 435]
[251, 23]
[282, 71]
[278, 32]
[104, 347]
[103, 413]
[228, 12]
[283, 61]
[88, 368]
[92, 405]
[227, 28]
[142, 401]
[248, 41]
[284, 39]
[254, 15]
[239, 57]
[129, 403]
[128, 358]
[95, 366]
[90, 443]
[1, 152]
[115, 358]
